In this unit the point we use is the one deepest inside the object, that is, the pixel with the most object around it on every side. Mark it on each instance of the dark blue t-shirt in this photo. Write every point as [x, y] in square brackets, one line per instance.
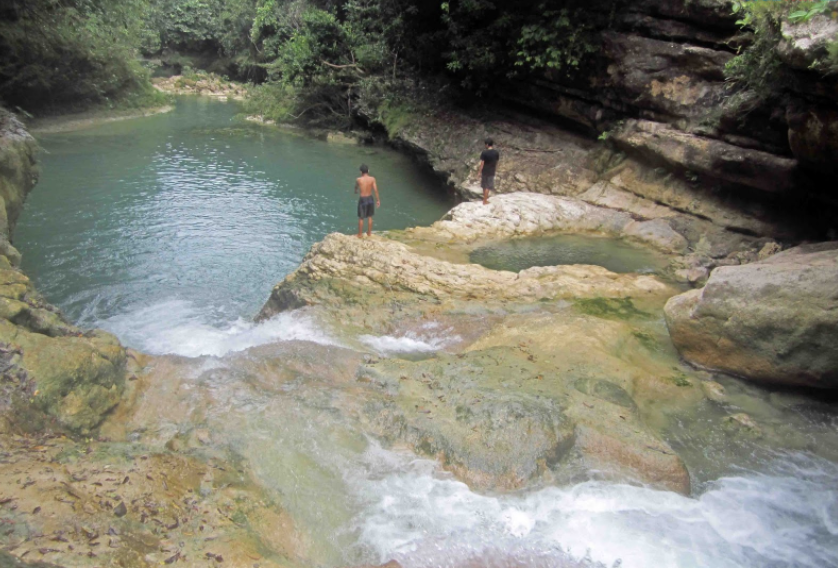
[490, 159]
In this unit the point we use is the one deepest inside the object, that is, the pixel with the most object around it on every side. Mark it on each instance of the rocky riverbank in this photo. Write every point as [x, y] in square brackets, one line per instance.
[203, 84]
[53, 372]
[549, 375]
[557, 373]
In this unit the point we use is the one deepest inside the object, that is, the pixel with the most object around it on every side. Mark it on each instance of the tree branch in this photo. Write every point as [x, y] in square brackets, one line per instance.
[349, 65]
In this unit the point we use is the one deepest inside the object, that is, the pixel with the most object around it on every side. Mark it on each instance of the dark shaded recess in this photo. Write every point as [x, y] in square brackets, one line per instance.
[378, 135]
[207, 56]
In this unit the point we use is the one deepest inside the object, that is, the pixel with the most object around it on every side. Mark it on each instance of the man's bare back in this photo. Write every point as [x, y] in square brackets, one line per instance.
[365, 185]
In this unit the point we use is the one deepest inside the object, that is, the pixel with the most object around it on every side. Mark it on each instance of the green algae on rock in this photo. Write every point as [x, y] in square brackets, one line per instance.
[549, 382]
[54, 368]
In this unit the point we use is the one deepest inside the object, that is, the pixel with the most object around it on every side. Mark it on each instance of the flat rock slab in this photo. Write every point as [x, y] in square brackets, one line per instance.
[342, 267]
[523, 214]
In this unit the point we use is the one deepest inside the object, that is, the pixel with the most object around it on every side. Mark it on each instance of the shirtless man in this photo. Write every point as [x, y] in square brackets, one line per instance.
[365, 185]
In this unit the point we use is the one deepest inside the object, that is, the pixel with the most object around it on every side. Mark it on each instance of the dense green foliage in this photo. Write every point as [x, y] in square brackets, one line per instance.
[63, 52]
[490, 41]
[317, 58]
[323, 57]
[217, 28]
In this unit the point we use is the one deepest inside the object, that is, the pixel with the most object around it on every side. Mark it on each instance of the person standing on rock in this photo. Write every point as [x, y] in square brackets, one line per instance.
[488, 164]
[365, 185]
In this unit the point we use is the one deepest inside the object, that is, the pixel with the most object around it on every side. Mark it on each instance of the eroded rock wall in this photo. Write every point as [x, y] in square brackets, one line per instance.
[672, 143]
[658, 86]
[51, 370]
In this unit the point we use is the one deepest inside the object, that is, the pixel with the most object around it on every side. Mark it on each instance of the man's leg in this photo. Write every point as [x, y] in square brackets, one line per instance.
[360, 227]
[485, 196]
[369, 227]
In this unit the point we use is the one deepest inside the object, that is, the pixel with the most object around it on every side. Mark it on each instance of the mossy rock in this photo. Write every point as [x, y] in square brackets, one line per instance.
[77, 380]
[610, 308]
[9, 561]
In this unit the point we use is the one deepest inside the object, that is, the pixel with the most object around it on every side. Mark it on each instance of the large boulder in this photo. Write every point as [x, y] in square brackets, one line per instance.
[773, 321]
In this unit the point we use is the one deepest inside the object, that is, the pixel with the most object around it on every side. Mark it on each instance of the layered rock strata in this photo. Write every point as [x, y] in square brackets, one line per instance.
[673, 139]
[664, 63]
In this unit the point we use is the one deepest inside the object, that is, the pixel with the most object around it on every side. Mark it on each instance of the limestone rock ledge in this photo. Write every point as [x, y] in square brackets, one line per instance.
[773, 321]
[51, 370]
[342, 267]
[548, 377]
[529, 214]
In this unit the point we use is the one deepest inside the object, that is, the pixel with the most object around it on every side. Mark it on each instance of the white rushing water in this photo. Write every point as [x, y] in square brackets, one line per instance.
[429, 339]
[179, 327]
[785, 516]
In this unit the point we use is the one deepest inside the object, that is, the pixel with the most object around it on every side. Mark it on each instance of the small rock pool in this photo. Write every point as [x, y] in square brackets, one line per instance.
[614, 254]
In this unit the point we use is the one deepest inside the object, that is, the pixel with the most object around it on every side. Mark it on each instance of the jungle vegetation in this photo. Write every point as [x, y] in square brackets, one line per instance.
[313, 58]
[319, 60]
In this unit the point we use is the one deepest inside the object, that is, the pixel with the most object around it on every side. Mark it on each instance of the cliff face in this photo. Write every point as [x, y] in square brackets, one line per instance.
[658, 86]
[50, 370]
[18, 175]
[725, 174]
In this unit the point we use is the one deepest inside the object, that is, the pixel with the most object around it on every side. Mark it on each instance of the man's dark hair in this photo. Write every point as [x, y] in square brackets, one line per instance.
[364, 169]
[489, 142]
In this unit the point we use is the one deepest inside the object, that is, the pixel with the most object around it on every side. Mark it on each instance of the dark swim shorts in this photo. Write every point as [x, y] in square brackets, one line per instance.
[487, 182]
[366, 207]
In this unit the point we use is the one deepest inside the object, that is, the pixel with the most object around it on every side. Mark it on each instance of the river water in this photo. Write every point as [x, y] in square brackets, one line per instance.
[188, 219]
[170, 232]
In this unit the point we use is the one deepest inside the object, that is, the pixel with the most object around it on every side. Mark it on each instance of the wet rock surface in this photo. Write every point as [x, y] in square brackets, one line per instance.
[524, 401]
[104, 503]
[771, 321]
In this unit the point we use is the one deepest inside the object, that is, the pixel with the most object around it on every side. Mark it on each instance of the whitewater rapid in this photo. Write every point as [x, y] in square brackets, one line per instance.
[783, 514]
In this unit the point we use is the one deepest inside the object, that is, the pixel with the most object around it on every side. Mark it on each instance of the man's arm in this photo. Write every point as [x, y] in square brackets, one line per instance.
[375, 189]
[357, 187]
[480, 168]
